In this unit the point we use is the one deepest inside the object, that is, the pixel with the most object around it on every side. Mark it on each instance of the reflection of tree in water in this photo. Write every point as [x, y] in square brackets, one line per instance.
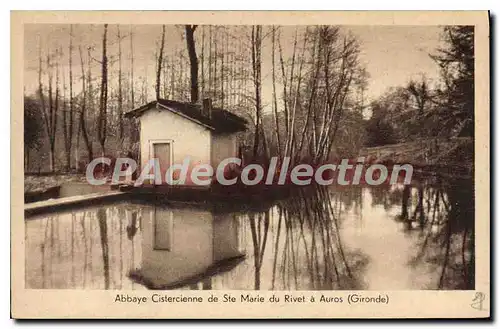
[384, 196]
[259, 225]
[444, 214]
[103, 233]
[308, 253]
[82, 249]
[350, 197]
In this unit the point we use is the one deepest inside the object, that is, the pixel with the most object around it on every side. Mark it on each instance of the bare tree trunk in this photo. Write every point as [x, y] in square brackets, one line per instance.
[165, 76]
[337, 90]
[316, 62]
[77, 146]
[241, 81]
[289, 116]
[160, 62]
[257, 80]
[285, 97]
[230, 77]
[296, 95]
[120, 87]
[226, 96]
[90, 99]
[144, 92]
[46, 113]
[222, 72]
[275, 102]
[210, 84]
[132, 68]
[68, 116]
[71, 100]
[172, 77]
[103, 100]
[53, 120]
[193, 60]
[56, 109]
[202, 61]
[83, 124]
[65, 120]
[180, 81]
[215, 59]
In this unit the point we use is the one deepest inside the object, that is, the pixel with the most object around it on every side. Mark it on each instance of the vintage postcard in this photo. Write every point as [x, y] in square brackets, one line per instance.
[250, 165]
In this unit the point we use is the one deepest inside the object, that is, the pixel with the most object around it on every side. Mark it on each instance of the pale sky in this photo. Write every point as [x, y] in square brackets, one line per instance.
[392, 54]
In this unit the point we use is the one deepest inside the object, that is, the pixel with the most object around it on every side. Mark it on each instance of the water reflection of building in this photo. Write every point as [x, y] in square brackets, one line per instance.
[184, 246]
[406, 237]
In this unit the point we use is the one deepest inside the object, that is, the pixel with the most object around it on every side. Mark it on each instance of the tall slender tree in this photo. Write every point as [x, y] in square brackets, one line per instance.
[68, 113]
[257, 81]
[193, 60]
[83, 110]
[56, 99]
[103, 100]
[222, 70]
[48, 113]
[274, 96]
[120, 86]
[132, 95]
[202, 59]
[159, 63]
[210, 66]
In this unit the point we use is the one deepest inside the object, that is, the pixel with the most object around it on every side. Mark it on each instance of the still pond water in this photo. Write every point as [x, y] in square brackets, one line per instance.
[385, 238]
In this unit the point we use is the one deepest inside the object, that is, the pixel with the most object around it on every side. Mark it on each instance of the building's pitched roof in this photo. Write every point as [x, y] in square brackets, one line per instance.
[220, 120]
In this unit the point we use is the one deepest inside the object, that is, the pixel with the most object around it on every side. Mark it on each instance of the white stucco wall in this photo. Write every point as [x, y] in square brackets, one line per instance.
[189, 138]
[223, 146]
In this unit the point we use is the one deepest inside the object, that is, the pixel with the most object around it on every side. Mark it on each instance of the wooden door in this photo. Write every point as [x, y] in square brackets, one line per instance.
[162, 152]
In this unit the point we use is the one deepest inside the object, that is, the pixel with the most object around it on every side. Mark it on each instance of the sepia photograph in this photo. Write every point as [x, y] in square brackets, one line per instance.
[163, 158]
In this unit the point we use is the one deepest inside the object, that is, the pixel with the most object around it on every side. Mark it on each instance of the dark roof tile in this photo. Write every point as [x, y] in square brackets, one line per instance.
[221, 121]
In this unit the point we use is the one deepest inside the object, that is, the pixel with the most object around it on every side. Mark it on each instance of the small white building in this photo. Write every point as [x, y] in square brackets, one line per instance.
[172, 131]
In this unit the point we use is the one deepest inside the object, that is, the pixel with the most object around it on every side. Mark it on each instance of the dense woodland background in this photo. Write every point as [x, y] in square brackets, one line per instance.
[318, 110]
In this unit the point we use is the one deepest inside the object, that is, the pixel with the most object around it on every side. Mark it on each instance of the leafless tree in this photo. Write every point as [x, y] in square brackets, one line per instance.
[120, 86]
[48, 113]
[202, 60]
[193, 60]
[83, 110]
[55, 100]
[103, 100]
[257, 80]
[160, 62]
[132, 68]
[68, 113]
